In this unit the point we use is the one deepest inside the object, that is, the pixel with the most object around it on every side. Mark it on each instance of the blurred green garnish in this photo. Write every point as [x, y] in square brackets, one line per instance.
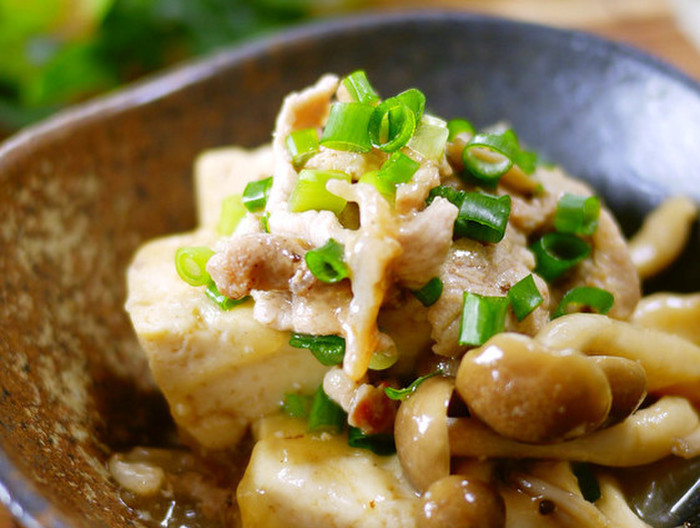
[57, 52]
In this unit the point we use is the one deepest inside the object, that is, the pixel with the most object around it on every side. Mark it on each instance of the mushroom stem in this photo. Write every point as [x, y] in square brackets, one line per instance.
[668, 360]
[648, 435]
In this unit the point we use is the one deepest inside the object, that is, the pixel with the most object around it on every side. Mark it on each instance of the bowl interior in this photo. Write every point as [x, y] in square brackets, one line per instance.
[79, 193]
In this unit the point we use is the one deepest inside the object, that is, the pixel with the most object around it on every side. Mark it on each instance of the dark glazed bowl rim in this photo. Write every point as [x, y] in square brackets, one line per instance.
[16, 492]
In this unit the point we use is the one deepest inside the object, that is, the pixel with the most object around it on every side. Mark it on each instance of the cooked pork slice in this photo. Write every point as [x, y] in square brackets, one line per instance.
[320, 309]
[368, 407]
[486, 269]
[609, 267]
[353, 163]
[308, 108]
[425, 238]
[411, 196]
[256, 261]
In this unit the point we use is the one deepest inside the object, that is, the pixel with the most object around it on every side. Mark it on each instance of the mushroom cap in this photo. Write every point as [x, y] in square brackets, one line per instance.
[628, 385]
[529, 393]
[456, 501]
[420, 431]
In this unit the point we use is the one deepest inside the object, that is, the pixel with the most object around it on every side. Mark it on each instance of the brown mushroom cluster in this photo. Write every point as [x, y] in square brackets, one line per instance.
[520, 392]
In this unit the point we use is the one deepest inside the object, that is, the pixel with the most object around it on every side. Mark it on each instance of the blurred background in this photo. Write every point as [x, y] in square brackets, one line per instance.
[57, 52]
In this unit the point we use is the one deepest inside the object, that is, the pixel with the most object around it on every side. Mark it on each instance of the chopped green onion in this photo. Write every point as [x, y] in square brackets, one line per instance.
[255, 194]
[265, 222]
[218, 298]
[302, 144]
[451, 194]
[328, 349]
[325, 414]
[402, 394]
[489, 156]
[385, 188]
[310, 193]
[556, 253]
[415, 100]
[327, 263]
[383, 359]
[191, 264]
[232, 212]
[526, 160]
[482, 318]
[587, 481]
[391, 125]
[297, 405]
[585, 298]
[348, 127]
[524, 297]
[430, 138]
[457, 127]
[380, 444]
[399, 168]
[482, 217]
[577, 215]
[360, 89]
[430, 292]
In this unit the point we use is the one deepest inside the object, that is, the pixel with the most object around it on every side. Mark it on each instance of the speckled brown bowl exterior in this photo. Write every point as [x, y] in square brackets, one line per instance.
[80, 192]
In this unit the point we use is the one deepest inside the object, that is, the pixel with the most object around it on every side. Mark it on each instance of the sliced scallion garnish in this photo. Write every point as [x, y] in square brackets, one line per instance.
[297, 405]
[360, 89]
[577, 215]
[482, 217]
[325, 414]
[328, 349]
[255, 194]
[381, 444]
[482, 318]
[488, 156]
[327, 263]
[399, 168]
[402, 394]
[451, 194]
[415, 100]
[430, 292]
[218, 298]
[232, 212]
[391, 125]
[556, 253]
[524, 297]
[585, 298]
[459, 126]
[191, 264]
[385, 188]
[430, 138]
[302, 144]
[310, 193]
[348, 127]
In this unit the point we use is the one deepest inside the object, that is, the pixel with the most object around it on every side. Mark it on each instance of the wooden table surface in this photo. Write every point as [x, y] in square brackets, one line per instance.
[646, 24]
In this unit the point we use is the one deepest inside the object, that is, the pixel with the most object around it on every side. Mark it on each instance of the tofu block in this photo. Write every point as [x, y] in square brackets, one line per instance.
[221, 172]
[219, 370]
[318, 481]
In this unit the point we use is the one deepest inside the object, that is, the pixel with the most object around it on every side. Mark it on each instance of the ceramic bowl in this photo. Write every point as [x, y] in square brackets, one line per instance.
[81, 191]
